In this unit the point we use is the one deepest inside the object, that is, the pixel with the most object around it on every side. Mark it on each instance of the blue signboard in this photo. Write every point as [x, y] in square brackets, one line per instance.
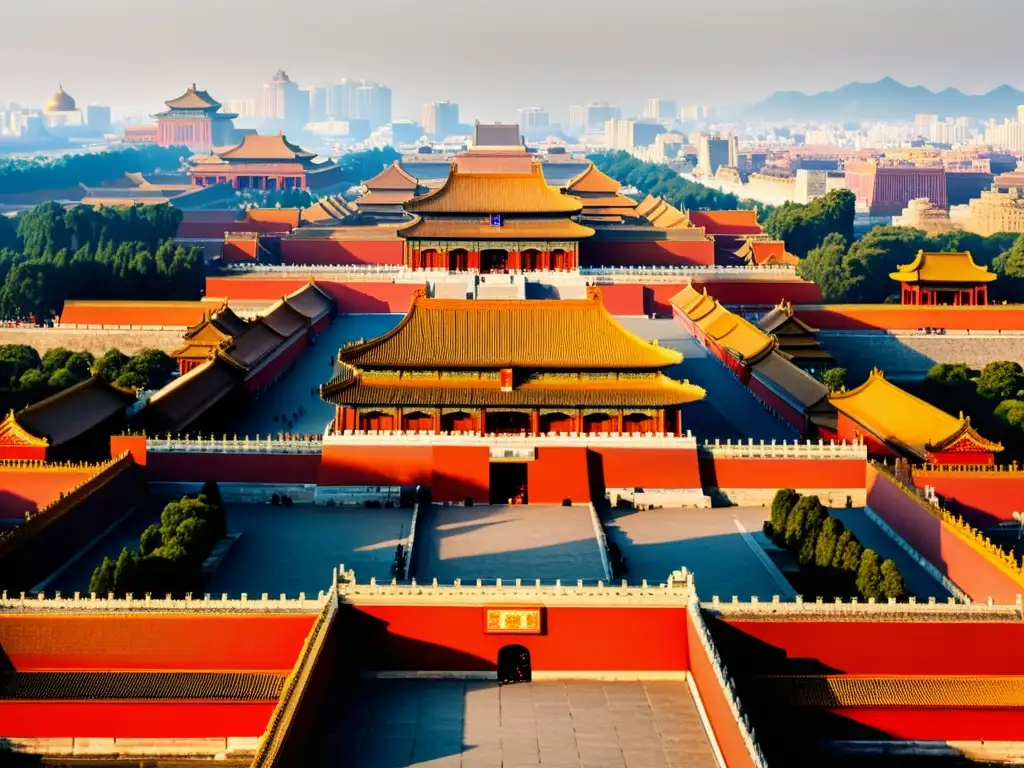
[495, 219]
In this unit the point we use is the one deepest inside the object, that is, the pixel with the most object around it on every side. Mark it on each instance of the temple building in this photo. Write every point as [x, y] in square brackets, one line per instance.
[201, 341]
[943, 278]
[267, 163]
[509, 367]
[797, 341]
[386, 193]
[894, 423]
[495, 213]
[921, 213]
[602, 199]
[61, 111]
[194, 120]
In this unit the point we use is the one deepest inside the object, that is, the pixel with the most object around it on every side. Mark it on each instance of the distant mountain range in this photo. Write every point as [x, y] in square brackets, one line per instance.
[885, 100]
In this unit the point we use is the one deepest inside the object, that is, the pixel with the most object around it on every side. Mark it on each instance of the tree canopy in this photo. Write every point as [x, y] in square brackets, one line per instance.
[19, 175]
[662, 181]
[805, 227]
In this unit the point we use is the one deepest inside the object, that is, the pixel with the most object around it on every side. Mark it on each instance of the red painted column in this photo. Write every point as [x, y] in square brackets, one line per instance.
[535, 422]
[483, 421]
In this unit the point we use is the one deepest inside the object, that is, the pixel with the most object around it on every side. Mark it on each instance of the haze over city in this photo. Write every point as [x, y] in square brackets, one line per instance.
[493, 58]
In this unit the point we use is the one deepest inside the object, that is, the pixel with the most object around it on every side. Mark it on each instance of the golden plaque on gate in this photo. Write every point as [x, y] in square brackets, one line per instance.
[513, 620]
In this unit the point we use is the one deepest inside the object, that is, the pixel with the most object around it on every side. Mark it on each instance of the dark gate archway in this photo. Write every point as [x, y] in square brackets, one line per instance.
[514, 665]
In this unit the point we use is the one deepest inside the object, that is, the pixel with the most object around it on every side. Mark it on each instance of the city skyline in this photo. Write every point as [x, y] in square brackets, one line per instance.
[576, 57]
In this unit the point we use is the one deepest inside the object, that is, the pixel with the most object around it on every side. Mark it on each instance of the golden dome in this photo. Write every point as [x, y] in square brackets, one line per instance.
[60, 102]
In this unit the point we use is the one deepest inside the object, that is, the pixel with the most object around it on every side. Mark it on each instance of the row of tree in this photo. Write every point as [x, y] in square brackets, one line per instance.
[829, 553]
[662, 181]
[993, 398]
[858, 272]
[805, 227]
[86, 253]
[19, 175]
[26, 377]
[170, 556]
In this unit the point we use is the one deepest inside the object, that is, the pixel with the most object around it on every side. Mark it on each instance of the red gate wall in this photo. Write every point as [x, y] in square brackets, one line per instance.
[819, 474]
[964, 565]
[452, 638]
[984, 499]
[272, 468]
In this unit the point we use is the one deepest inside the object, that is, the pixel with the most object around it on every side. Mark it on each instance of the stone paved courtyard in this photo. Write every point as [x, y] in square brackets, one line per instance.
[571, 724]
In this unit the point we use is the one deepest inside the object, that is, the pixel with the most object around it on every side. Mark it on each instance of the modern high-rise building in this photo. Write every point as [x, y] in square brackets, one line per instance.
[886, 187]
[661, 110]
[97, 118]
[533, 119]
[341, 98]
[691, 113]
[599, 113]
[577, 116]
[241, 107]
[627, 135]
[317, 103]
[372, 103]
[1020, 113]
[278, 95]
[440, 119]
[714, 151]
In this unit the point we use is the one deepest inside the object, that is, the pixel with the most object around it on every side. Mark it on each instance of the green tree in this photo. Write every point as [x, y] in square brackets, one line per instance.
[795, 527]
[62, 379]
[150, 540]
[783, 501]
[110, 365]
[845, 537]
[869, 575]
[826, 266]
[1009, 265]
[805, 227]
[149, 369]
[893, 585]
[828, 539]
[80, 364]
[834, 379]
[852, 555]
[102, 580]
[15, 359]
[125, 570]
[1001, 380]
[55, 359]
[814, 514]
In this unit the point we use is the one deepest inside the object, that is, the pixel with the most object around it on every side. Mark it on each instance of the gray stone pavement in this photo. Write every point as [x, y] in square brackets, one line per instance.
[299, 386]
[507, 542]
[708, 542]
[572, 724]
[729, 412]
[294, 549]
[920, 583]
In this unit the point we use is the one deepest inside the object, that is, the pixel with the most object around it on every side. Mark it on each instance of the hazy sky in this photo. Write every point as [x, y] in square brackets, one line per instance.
[493, 57]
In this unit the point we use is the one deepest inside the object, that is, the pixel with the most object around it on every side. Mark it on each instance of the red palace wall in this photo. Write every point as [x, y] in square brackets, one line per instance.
[777, 404]
[965, 566]
[648, 467]
[984, 499]
[625, 299]
[557, 474]
[21, 453]
[716, 705]
[281, 361]
[460, 472]
[238, 250]
[275, 468]
[888, 647]
[351, 298]
[23, 490]
[895, 317]
[452, 638]
[180, 643]
[823, 474]
[849, 430]
[135, 719]
[332, 252]
[759, 293]
[653, 253]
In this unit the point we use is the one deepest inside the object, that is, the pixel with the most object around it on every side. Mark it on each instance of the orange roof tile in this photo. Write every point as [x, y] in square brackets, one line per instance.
[355, 388]
[273, 147]
[486, 193]
[896, 416]
[763, 252]
[593, 180]
[289, 216]
[394, 177]
[385, 197]
[606, 201]
[943, 268]
[182, 314]
[13, 434]
[479, 229]
[738, 335]
[140, 686]
[452, 333]
[193, 99]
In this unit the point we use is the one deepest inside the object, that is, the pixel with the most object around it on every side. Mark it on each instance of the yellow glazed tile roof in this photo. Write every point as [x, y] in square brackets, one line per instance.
[510, 229]
[943, 268]
[593, 180]
[487, 193]
[896, 416]
[839, 691]
[738, 335]
[394, 177]
[566, 334]
[137, 686]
